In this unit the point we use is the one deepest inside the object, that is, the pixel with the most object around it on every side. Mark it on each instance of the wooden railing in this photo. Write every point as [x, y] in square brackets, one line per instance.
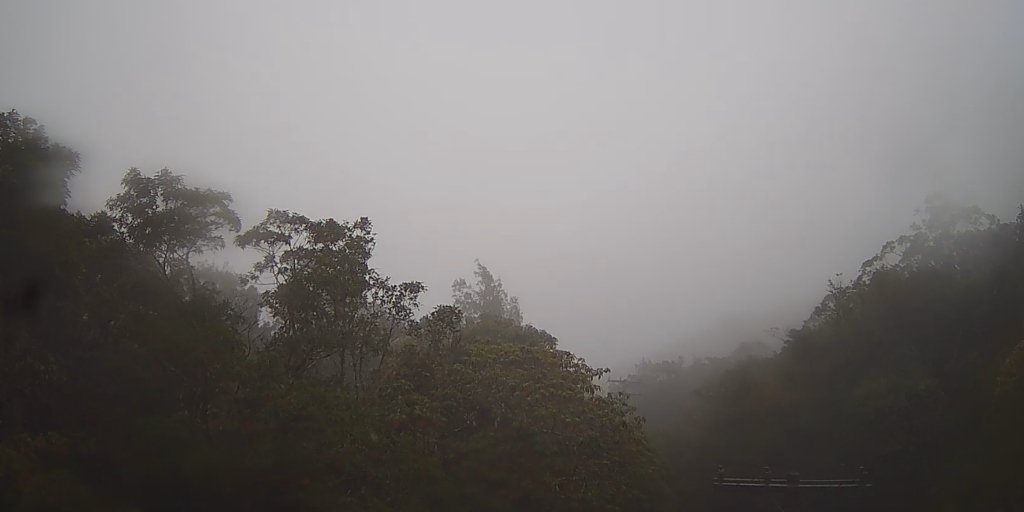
[792, 480]
[792, 487]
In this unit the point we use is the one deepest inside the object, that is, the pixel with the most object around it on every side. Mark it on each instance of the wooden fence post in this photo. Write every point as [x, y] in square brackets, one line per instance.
[792, 493]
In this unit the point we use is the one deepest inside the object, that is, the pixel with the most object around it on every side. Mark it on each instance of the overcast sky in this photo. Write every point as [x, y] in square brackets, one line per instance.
[636, 171]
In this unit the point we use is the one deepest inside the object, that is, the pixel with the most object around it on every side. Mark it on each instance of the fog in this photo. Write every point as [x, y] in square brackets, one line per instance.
[641, 174]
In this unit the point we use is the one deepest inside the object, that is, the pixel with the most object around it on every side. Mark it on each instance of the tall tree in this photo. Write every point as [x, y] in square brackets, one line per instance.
[34, 171]
[170, 222]
[34, 175]
[487, 297]
[329, 304]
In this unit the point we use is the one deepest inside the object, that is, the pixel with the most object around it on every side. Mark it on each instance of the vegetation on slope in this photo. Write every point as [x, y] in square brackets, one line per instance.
[913, 369]
[133, 377]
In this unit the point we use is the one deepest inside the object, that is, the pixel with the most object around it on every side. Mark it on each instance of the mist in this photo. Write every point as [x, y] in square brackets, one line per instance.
[639, 174]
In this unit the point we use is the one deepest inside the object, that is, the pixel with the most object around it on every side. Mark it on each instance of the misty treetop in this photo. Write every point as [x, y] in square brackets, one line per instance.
[486, 298]
[35, 171]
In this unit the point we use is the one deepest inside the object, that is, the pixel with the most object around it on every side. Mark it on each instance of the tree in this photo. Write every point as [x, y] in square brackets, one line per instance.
[441, 329]
[949, 234]
[486, 298]
[329, 304]
[170, 222]
[34, 171]
[34, 174]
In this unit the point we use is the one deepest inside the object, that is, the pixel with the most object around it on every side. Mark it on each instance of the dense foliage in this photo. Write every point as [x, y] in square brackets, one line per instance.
[135, 377]
[914, 369]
